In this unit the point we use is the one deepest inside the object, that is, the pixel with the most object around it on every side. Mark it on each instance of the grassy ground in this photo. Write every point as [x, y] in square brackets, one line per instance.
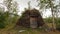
[10, 29]
[27, 31]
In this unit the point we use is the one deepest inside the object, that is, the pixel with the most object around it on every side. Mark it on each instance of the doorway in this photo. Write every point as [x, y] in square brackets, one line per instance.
[33, 22]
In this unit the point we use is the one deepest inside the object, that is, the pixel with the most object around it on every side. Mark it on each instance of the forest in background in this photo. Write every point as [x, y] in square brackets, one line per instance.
[10, 16]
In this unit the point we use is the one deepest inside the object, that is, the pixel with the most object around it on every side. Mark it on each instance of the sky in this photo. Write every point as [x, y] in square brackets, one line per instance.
[24, 4]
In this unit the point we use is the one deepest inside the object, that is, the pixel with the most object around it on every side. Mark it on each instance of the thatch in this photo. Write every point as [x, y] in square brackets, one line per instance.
[25, 18]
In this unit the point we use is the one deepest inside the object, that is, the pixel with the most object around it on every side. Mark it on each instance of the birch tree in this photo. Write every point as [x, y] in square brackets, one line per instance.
[49, 4]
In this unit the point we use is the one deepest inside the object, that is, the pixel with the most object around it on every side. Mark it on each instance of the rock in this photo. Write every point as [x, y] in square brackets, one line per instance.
[22, 30]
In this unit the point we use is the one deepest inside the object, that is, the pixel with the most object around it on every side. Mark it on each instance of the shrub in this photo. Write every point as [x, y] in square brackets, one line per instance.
[58, 24]
[2, 25]
[58, 27]
[2, 19]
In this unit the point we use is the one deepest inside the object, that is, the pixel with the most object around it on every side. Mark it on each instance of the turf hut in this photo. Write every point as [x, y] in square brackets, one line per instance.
[31, 18]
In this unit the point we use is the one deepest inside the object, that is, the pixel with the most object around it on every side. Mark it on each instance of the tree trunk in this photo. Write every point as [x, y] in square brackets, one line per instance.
[53, 17]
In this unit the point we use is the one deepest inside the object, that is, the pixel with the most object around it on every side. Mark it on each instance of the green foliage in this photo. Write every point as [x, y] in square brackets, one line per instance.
[2, 25]
[57, 21]
[6, 19]
[58, 24]
[2, 20]
[48, 20]
[10, 16]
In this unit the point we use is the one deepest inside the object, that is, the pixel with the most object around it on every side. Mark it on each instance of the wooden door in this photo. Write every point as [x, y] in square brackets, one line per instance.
[33, 22]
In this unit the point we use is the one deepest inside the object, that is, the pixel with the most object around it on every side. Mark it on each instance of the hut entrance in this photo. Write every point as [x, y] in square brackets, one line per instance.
[33, 22]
